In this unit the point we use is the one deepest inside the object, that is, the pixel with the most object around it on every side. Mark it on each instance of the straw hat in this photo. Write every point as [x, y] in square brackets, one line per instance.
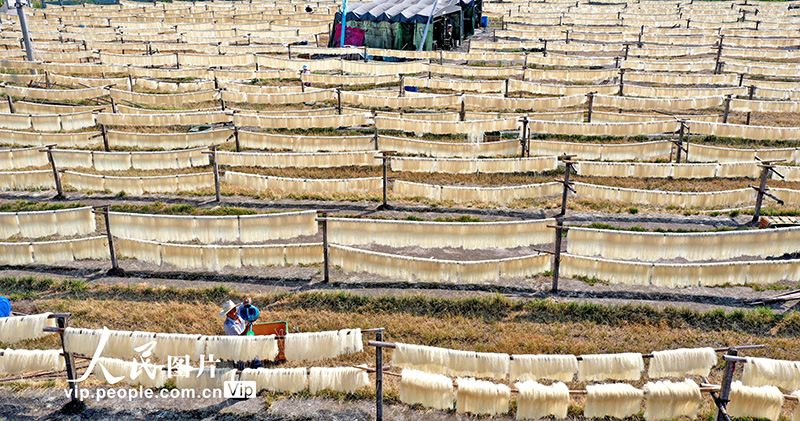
[227, 307]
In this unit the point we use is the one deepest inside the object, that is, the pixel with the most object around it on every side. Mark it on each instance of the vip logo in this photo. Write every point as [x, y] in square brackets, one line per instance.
[239, 390]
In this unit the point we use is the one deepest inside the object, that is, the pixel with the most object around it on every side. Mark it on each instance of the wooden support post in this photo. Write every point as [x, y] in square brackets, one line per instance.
[767, 168]
[524, 66]
[112, 248]
[289, 51]
[621, 82]
[567, 184]
[566, 38]
[69, 362]
[113, 105]
[222, 100]
[385, 157]
[10, 104]
[751, 92]
[590, 103]
[441, 57]
[725, 390]
[216, 173]
[727, 104]
[506, 94]
[379, 377]
[557, 253]
[679, 144]
[47, 79]
[544, 49]
[56, 175]
[104, 132]
[523, 138]
[741, 79]
[236, 139]
[375, 133]
[627, 50]
[462, 115]
[717, 68]
[402, 92]
[323, 217]
[177, 61]
[338, 101]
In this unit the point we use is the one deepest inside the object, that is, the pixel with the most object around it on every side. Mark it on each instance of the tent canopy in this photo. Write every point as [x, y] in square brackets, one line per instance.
[408, 11]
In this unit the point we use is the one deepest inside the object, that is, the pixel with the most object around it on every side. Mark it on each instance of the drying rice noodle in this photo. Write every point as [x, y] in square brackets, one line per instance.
[551, 367]
[682, 362]
[626, 366]
[290, 380]
[20, 328]
[481, 397]
[148, 375]
[17, 361]
[242, 348]
[667, 400]
[419, 357]
[537, 400]
[429, 390]
[757, 402]
[618, 400]
[337, 379]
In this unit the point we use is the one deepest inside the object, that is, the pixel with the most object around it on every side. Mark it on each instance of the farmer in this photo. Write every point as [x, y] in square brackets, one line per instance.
[233, 325]
[5, 307]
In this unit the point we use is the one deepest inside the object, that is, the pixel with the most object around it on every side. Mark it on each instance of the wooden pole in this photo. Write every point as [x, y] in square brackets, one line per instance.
[717, 68]
[462, 115]
[727, 111]
[338, 101]
[762, 188]
[385, 157]
[69, 361]
[681, 135]
[590, 102]
[621, 82]
[112, 248]
[725, 389]
[557, 256]
[379, 377]
[104, 132]
[567, 187]
[402, 86]
[325, 259]
[523, 139]
[216, 173]
[506, 94]
[10, 104]
[56, 174]
[236, 139]
[751, 92]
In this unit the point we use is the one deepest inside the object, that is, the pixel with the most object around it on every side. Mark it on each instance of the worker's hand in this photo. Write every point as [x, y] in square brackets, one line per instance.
[247, 300]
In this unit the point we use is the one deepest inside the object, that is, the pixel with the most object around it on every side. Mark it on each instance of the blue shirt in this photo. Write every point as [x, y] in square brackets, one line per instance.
[233, 326]
[5, 307]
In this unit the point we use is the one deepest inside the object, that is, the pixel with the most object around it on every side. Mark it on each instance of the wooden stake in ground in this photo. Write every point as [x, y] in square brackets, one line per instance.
[323, 217]
[385, 157]
[112, 248]
[56, 175]
[767, 168]
[213, 153]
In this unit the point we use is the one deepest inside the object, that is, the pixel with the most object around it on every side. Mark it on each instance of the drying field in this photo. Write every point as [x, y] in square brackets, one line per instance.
[183, 146]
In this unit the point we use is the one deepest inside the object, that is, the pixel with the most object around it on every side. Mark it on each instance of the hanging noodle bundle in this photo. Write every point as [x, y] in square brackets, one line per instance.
[551, 367]
[429, 390]
[242, 348]
[290, 380]
[19, 328]
[626, 366]
[419, 357]
[178, 345]
[113, 371]
[537, 400]
[338, 379]
[615, 400]
[481, 397]
[765, 371]
[682, 362]
[478, 364]
[667, 400]
[207, 378]
[351, 341]
[16, 361]
[757, 402]
[313, 346]
[82, 341]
